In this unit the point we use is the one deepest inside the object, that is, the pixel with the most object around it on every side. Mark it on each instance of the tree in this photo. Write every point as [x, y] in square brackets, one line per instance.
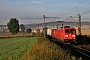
[22, 27]
[29, 30]
[13, 25]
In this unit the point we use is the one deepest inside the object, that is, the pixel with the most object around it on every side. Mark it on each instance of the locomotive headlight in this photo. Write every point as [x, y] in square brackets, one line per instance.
[73, 35]
[66, 35]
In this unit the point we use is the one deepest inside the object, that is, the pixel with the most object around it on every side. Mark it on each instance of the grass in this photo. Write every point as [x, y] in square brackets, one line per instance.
[84, 32]
[14, 48]
[31, 48]
[46, 50]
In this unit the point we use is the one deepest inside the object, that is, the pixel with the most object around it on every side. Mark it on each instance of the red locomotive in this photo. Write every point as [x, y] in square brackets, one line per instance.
[65, 34]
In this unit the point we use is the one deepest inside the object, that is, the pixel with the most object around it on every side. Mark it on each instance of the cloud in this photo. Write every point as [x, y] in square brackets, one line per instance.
[32, 11]
[35, 2]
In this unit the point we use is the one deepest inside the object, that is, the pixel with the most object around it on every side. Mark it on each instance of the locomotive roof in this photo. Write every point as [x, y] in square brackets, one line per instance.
[66, 27]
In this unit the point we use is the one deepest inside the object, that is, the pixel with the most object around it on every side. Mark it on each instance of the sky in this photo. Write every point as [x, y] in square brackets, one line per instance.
[32, 11]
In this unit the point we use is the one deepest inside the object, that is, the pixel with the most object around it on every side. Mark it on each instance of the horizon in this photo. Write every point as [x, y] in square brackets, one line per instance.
[50, 22]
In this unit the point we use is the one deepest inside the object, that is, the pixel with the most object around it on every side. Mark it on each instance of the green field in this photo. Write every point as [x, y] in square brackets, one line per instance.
[14, 48]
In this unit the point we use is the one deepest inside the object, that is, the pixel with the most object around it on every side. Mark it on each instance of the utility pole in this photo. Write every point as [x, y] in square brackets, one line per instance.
[79, 24]
[57, 26]
[45, 24]
[38, 26]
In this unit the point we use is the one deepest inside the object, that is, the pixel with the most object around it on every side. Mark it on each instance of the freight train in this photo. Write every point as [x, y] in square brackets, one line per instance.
[65, 34]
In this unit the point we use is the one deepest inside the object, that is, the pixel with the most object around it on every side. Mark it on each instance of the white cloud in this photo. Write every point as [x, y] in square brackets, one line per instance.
[33, 11]
[36, 2]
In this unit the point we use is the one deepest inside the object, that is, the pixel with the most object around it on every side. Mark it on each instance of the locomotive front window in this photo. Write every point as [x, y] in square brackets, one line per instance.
[72, 31]
[66, 31]
[69, 31]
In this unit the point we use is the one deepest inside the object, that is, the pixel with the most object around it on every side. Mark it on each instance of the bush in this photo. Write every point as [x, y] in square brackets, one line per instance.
[29, 30]
[37, 35]
[83, 38]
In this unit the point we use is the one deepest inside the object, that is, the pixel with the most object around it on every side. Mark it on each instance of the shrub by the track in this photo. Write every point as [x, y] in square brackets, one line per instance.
[46, 50]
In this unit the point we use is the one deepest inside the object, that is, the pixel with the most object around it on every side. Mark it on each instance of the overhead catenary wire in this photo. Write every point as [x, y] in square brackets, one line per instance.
[84, 13]
[87, 12]
[82, 7]
[85, 18]
[74, 7]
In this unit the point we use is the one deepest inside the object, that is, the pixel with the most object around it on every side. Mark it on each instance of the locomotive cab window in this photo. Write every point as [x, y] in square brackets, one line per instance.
[66, 31]
[69, 31]
[72, 31]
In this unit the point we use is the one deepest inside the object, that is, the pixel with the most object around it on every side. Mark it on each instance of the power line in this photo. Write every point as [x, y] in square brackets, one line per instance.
[81, 7]
[85, 18]
[71, 17]
[68, 12]
[74, 7]
[87, 12]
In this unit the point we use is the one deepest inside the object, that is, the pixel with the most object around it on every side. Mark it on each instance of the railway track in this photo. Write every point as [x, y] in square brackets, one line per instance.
[82, 51]
[77, 50]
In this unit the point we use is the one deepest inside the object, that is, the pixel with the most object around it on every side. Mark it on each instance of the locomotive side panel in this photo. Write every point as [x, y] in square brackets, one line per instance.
[57, 33]
[53, 32]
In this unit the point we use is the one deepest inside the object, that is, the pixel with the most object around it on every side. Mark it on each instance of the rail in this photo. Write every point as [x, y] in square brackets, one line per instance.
[81, 50]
